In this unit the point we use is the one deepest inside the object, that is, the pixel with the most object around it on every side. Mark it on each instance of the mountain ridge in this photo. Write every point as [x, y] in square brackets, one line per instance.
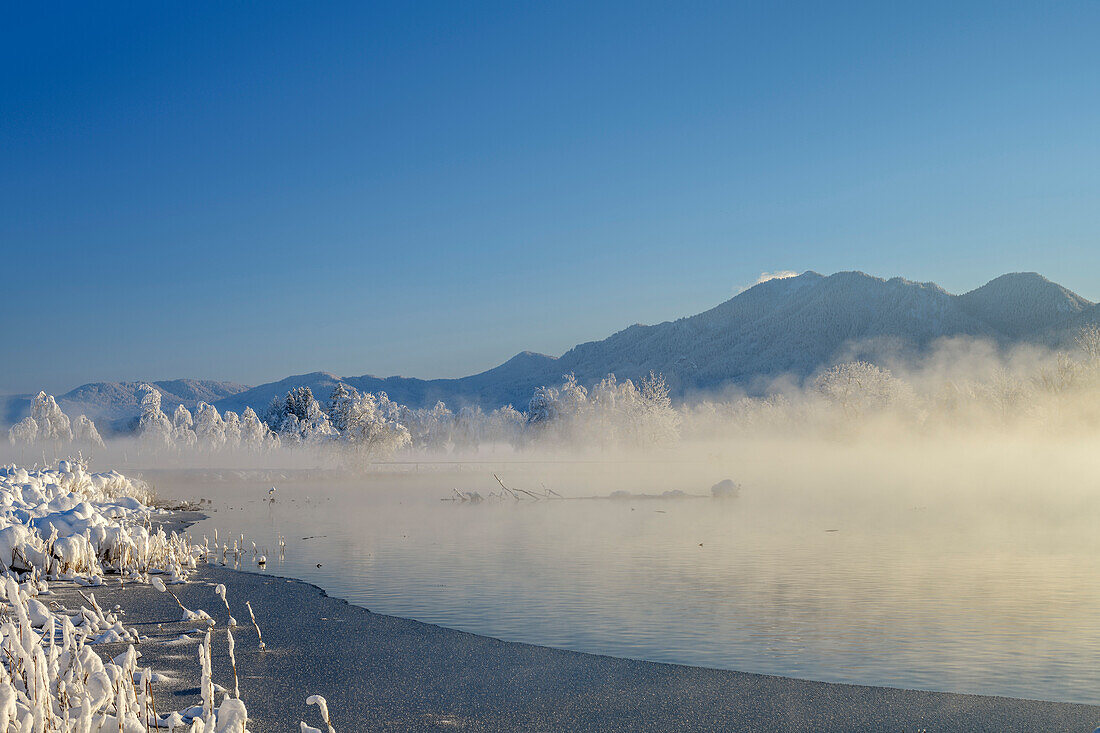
[784, 326]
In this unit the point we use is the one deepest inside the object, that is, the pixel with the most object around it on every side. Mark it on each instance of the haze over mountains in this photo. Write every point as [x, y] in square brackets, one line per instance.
[791, 326]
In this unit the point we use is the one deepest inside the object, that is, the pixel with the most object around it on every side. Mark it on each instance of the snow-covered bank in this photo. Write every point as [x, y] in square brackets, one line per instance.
[67, 524]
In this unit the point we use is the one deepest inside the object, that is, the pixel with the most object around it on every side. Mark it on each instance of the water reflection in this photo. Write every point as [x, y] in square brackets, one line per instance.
[902, 588]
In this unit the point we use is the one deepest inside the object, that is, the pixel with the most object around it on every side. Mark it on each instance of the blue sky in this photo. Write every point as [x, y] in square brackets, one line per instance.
[243, 191]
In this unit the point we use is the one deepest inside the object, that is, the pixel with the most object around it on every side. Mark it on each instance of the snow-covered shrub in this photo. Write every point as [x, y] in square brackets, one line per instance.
[66, 523]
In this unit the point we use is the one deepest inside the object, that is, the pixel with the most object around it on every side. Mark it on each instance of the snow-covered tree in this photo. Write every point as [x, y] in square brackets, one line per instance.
[469, 430]
[543, 407]
[1007, 394]
[48, 424]
[431, 428]
[232, 429]
[572, 397]
[372, 426]
[859, 387]
[24, 432]
[255, 435]
[317, 426]
[340, 404]
[622, 414]
[505, 425]
[290, 431]
[300, 419]
[658, 423]
[299, 401]
[209, 427]
[86, 433]
[181, 418]
[154, 427]
[1088, 341]
[183, 434]
[53, 424]
[274, 414]
[613, 413]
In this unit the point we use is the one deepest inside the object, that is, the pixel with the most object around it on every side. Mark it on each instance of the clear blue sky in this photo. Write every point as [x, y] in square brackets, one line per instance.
[243, 191]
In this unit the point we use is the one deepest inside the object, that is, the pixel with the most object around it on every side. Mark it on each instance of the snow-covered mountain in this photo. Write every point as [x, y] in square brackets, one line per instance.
[112, 403]
[784, 326]
[1023, 303]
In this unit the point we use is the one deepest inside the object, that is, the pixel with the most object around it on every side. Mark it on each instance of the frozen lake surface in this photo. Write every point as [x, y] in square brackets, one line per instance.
[898, 589]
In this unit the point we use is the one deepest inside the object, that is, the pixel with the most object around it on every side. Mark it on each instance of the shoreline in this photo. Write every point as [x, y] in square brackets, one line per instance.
[382, 672]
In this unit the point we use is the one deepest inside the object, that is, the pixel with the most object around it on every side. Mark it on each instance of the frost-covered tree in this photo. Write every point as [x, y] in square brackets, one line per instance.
[183, 434]
[181, 419]
[154, 427]
[554, 406]
[300, 419]
[85, 433]
[209, 427]
[543, 407]
[431, 428]
[658, 423]
[24, 432]
[506, 425]
[572, 397]
[274, 414]
[622, 414]
[299, 401]
[614, 413]
[255, 435]
[232, 429]
[1007, 394]
[469, 428]
[859, 387]
[53, 424]
[373, 427]
[1088, 341]
[340, 405]
[290, 430]
[560, 414]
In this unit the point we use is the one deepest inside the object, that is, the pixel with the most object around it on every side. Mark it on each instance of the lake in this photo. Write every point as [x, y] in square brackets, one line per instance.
[994, 594]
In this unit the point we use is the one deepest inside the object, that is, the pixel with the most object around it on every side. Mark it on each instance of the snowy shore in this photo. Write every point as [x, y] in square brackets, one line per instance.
[69, 661]
[377, 672]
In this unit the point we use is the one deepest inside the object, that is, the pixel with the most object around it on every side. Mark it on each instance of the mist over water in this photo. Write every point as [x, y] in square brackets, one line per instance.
[949, 565]
[930, 525]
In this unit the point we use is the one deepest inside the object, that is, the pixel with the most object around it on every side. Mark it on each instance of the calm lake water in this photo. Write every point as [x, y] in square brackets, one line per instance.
[998, 596]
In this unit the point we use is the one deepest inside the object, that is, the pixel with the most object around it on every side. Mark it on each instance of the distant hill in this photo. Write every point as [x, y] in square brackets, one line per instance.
[784, 326]
[1023, 304]
[112, 404]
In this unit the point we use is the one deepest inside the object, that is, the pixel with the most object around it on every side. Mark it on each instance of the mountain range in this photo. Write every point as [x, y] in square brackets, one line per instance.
[786, 326]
